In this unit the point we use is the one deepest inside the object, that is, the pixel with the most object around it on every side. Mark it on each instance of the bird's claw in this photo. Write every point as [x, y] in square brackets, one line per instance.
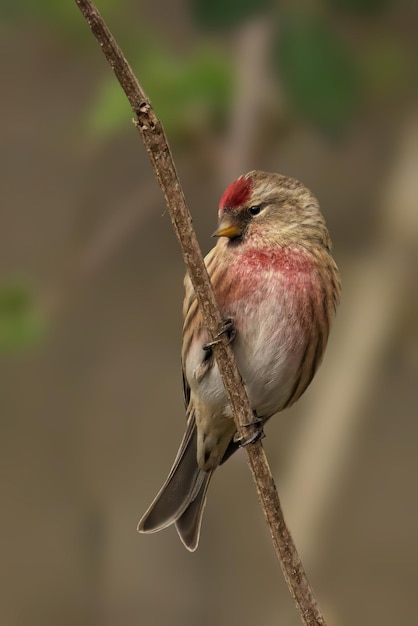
[228, 329]
[258, 423]
[245, 441]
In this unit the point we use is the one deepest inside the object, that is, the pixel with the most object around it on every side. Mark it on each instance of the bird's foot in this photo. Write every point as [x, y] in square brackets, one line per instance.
[258, 424]
[227, 329]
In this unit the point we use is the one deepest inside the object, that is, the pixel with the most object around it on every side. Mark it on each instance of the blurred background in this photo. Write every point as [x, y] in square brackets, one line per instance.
[91, 294]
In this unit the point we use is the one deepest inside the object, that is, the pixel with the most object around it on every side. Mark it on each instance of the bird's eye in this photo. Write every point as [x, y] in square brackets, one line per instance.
[254, 210]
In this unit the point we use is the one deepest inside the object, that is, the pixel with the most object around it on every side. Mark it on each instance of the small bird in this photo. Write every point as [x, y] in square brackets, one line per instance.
[277, 287]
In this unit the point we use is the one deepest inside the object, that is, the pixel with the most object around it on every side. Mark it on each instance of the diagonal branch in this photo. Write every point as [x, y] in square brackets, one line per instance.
[153, 136]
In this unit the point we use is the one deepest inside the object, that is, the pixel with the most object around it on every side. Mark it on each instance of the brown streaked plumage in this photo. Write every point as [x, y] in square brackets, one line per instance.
[274, 276]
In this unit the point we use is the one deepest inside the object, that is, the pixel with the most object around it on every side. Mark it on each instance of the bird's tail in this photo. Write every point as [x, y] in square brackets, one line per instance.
[182, 498]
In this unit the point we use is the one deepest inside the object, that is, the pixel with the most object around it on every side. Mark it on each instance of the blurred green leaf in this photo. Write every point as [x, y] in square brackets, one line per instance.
[359, 6]
[110, 110]
[386, 66]
[221, 14]
[318, 72]
[20, 325]
[186, 94]
[64, 16]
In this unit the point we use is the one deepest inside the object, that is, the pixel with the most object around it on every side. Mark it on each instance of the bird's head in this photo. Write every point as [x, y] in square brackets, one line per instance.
[270, 208]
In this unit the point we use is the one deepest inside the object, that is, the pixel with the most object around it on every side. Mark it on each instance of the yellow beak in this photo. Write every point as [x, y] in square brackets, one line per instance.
[227, 229]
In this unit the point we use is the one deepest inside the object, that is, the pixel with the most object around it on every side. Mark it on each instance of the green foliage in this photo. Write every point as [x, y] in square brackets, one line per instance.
[186, 94]
[109, 111]
[225, 14]
[20, 325]
[63, 15]
[358, 6]
[386, 66]
[318, 72]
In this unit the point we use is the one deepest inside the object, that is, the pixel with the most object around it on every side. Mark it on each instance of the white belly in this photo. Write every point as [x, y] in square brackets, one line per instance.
[268, 347]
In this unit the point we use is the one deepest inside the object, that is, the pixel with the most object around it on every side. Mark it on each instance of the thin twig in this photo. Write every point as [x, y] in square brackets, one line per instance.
[155, 141]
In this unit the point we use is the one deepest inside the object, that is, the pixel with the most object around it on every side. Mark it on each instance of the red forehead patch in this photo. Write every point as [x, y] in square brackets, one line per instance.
[236, 194]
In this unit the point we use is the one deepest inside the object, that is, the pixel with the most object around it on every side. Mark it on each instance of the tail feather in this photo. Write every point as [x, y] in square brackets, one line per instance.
[189, 523]
[182, 498]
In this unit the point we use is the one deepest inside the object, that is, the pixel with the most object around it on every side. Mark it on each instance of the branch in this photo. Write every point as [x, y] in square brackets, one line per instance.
[155, 141]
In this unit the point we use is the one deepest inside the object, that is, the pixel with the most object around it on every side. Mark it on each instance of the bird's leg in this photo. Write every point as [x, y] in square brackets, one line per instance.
[207, 361]
[228, 329]
[258, 423]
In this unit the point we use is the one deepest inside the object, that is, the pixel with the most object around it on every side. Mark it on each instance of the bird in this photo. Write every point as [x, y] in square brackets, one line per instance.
[277, 287]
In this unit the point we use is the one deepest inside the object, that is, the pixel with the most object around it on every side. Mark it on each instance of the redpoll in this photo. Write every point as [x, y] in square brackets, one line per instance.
[275, 279]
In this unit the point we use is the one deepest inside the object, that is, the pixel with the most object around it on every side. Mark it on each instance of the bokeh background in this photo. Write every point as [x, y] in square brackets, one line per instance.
[90, 309]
